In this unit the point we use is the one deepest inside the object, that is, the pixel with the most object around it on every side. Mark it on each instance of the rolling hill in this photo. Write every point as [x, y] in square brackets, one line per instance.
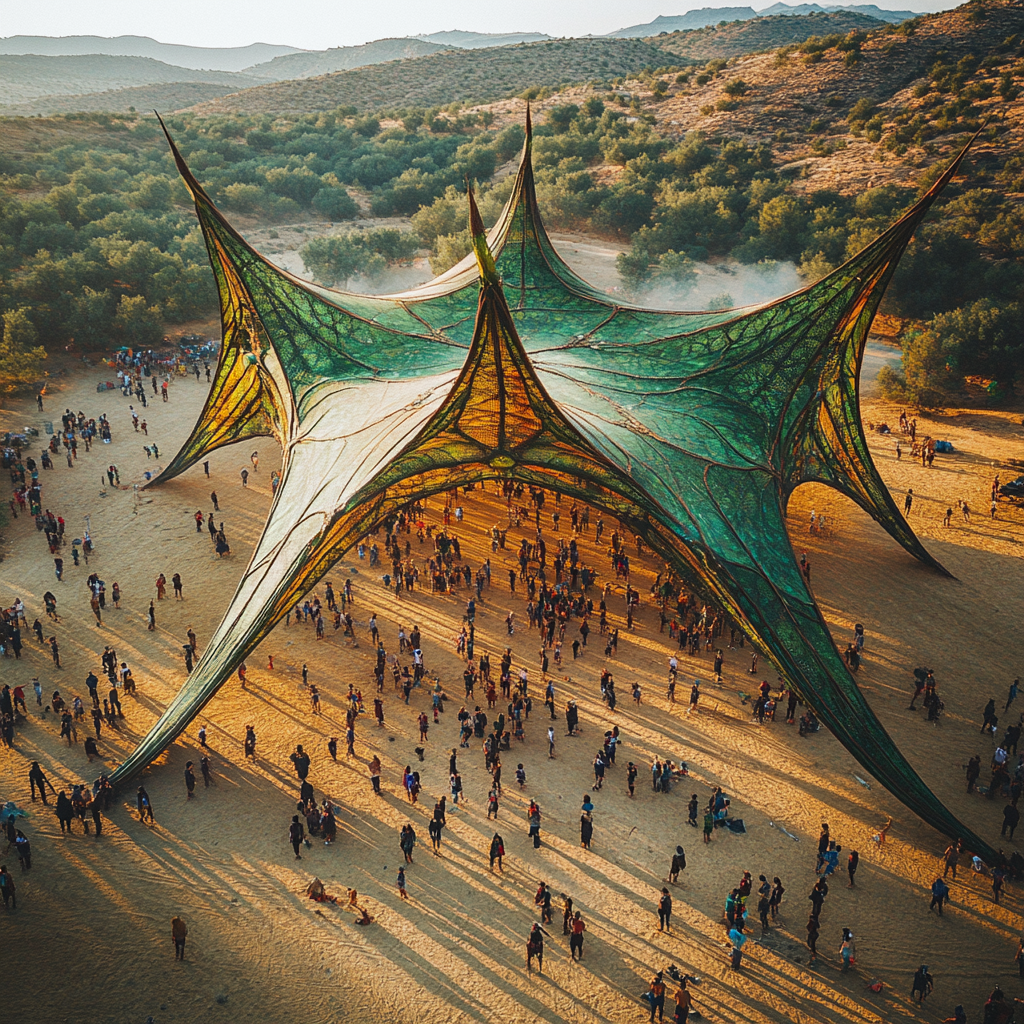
[199, 58]
[165, 97]
[758, 34]
[925, 88]
[29, 77]
[448, 75]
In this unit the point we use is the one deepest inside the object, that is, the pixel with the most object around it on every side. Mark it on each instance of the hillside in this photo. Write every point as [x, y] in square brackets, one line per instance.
[165, 97]
[449, 75]
[27, 78]
[742, 37]
[310, 63]
[922, 100]
[232, 58]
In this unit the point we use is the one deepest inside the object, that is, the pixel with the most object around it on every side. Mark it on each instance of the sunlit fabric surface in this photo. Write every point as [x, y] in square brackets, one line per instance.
[693, 428]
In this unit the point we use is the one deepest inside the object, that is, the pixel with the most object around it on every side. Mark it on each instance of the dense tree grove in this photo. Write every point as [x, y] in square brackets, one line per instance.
[98, 243]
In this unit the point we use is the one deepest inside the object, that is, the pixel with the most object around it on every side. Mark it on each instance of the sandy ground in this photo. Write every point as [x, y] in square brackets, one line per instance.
[92, 924]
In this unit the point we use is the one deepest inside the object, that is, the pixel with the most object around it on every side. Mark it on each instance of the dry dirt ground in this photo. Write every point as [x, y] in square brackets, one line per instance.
[93, 913]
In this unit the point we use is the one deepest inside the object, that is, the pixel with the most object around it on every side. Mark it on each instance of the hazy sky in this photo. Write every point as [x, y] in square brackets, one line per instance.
[318, 24]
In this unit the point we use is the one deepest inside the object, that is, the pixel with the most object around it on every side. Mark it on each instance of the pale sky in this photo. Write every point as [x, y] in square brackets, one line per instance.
[319, 24]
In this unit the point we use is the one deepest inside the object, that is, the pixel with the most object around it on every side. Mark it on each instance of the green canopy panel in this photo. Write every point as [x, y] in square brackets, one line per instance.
[693, 428]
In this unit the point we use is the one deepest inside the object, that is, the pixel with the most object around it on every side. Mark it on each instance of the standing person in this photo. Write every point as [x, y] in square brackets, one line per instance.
[400, 883]
[375, 770]
[576, 929]
[764, 905]
[951, 858]
[7, 888]
[434, 830]
[847, 950]
[656, 996]
[151, 617]
[694, 696]
[813, 932]
[37, 778]
[533, 815]
[851, 867]
[190, 780]
[145, 805]
[296, 833]
[775, 900]
[551, 744]
[709, 825]
[497, 852]
[665, 911]
[179, 932]
[940, 893]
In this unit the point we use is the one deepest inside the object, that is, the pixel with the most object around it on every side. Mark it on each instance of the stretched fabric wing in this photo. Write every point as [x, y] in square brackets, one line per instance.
[692, 428]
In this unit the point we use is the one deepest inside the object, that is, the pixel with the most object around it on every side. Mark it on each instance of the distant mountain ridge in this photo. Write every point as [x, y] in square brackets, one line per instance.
[479, 40]
[707, 16]
[198, 58]
[309, 63]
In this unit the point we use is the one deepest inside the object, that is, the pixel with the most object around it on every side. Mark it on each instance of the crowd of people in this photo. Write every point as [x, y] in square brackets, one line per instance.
[561, 603]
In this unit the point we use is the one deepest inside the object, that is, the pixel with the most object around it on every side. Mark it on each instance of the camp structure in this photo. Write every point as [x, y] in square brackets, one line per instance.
[692, 428]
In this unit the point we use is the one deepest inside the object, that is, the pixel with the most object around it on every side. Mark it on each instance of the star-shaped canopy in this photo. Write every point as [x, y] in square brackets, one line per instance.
[693, 428]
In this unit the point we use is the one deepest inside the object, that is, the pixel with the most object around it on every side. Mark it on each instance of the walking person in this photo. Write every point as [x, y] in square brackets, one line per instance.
[922, 985]
[535, 948]
[678, 864]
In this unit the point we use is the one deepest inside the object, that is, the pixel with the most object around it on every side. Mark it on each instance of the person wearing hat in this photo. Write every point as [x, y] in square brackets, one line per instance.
[678, 864]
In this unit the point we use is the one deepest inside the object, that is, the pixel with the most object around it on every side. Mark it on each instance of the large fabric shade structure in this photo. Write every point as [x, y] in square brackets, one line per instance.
[692, 427]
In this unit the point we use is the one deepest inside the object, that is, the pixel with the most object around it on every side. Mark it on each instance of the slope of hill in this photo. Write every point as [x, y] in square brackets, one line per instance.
[308, 64]
[480, 40]
[449, 75]
[165, 97]
[758, 34]
[233, 58]
[26, 78]
[716, 15]
[908, 100]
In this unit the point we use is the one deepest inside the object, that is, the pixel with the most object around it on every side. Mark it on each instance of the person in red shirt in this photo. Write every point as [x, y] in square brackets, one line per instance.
[576, 930]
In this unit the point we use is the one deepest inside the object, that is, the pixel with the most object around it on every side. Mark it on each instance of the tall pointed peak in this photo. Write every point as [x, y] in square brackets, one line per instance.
[484, 258]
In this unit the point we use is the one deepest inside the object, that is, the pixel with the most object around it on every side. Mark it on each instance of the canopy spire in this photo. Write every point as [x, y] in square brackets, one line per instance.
[484, 259]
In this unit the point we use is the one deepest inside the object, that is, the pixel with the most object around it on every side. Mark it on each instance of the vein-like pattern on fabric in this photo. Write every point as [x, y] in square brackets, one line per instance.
[692, 428]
